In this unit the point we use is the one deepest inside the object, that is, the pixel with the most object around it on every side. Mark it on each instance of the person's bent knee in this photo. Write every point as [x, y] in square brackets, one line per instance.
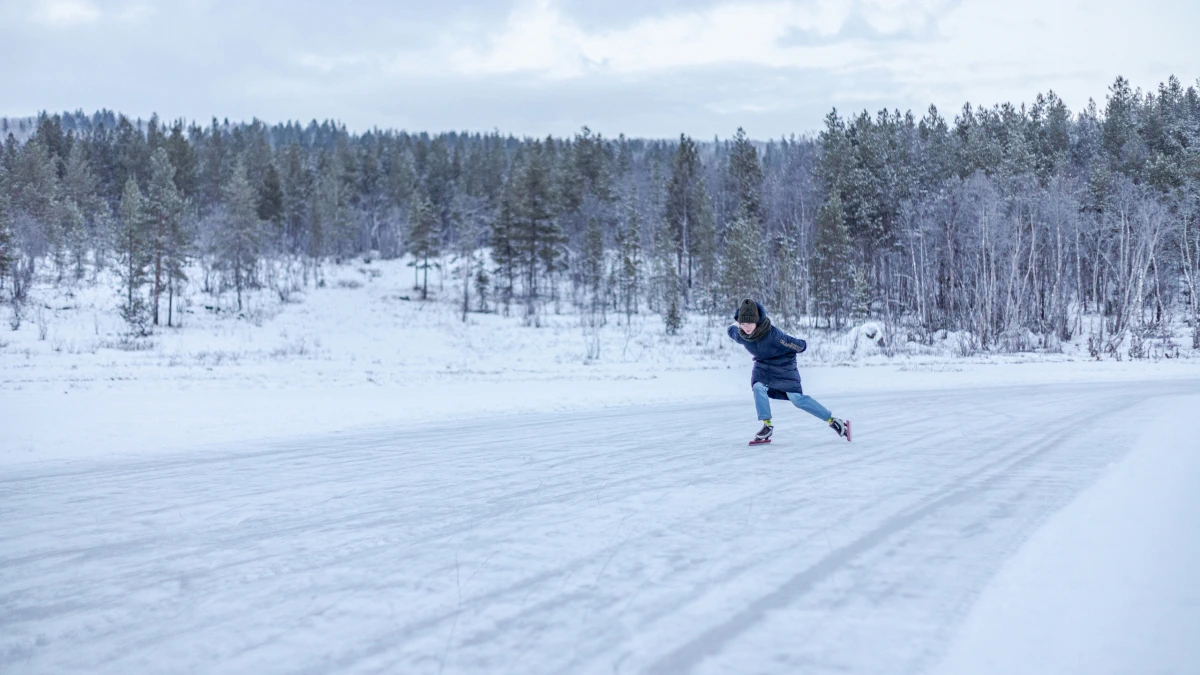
[757, 386]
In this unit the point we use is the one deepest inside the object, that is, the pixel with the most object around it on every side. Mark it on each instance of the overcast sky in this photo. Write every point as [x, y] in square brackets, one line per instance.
[648, 68]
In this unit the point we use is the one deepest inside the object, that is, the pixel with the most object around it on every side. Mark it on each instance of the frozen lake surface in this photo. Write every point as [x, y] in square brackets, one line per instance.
[645, 539]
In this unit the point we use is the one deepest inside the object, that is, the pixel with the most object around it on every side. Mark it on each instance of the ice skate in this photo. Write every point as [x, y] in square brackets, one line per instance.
[764, 434]
[840, 427]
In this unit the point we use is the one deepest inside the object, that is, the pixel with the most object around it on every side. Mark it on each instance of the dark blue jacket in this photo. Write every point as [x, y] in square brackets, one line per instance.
[774, 358]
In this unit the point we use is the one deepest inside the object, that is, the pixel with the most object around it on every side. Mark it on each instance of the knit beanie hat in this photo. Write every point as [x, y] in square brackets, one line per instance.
[748, 312]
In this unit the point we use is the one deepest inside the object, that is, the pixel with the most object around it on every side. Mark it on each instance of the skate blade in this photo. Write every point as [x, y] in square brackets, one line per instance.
[760, 442]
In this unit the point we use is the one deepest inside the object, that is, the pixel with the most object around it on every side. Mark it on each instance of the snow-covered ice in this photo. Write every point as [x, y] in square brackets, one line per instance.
[621, 540]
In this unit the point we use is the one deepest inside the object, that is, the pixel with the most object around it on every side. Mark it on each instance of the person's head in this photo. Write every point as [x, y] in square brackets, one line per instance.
[747, 316]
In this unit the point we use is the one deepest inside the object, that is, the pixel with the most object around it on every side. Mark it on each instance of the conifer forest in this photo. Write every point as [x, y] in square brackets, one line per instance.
[1019, 226]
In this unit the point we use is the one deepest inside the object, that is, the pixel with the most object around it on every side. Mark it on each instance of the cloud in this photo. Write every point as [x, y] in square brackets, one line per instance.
[65, 12]
[136, 12]
[642, 67]
[539, 38]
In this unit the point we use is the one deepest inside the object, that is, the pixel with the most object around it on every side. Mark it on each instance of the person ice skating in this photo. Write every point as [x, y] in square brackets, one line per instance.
[775, 374]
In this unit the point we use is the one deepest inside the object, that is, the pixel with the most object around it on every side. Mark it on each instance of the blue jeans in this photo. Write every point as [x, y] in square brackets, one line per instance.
[808, 404]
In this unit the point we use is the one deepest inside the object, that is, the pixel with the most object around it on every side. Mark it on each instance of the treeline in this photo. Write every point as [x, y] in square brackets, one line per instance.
[1019, 226]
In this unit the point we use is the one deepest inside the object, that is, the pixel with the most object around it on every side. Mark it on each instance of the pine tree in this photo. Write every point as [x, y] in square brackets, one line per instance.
[69, 224]
[214, 169]
[35, 190]
[745, 179]
[131, 153]
[537, 237]
[629, 249]
[744, 261]
[424, 241]
[483, 284]
[331, 227]
[164, 211]
[504, 252]
[685, 208]
[593, 268]
[704, 253]
[297, 183]
[81, 207]
[7, 253]
[132, 245]
[240, 236]
[830, 269]
[860, 293]
[468, 220]
[1119, 129]
[439, 183]
[787, 268]
[183, 158]
[270, 199]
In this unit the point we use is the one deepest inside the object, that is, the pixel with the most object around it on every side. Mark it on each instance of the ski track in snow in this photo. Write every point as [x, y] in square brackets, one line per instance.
[646, 539]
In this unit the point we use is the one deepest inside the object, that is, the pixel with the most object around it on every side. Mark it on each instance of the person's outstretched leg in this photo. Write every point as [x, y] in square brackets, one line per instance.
[811, 406]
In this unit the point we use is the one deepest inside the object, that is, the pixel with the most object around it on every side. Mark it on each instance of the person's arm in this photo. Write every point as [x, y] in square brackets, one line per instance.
[793, 343]
[733, 329]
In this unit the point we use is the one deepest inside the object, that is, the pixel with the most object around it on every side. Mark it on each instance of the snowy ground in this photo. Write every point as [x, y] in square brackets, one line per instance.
[358, 483]
[364, 350]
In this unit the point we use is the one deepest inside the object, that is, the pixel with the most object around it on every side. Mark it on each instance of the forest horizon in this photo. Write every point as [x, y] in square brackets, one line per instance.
[1022, 224]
